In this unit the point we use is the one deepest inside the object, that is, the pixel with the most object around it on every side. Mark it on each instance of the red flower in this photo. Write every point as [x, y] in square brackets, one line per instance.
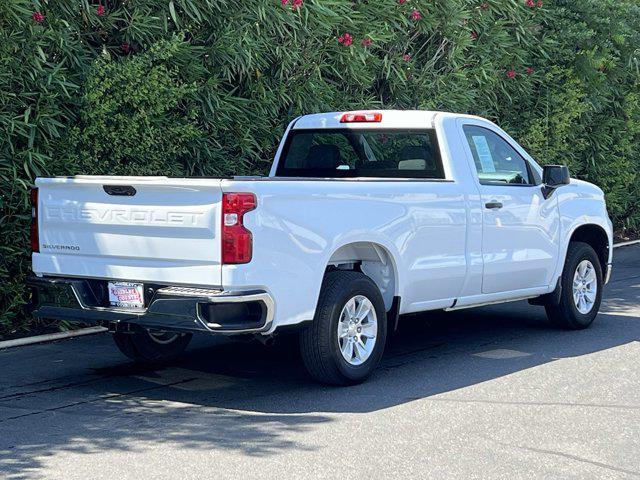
[37, 17]
[474, 35]
[539, 4]
[100, 10]
[125, 47]
[406, 57]
[345, 39]
[511, 74]
[416, 15]
[366, 42]
[484, 6]
[530, 70]
[284, 2]
[296, 4]
[530, 3]
[402, 2]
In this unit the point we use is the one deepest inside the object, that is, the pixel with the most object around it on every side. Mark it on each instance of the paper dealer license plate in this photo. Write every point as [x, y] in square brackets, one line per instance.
[126, 294]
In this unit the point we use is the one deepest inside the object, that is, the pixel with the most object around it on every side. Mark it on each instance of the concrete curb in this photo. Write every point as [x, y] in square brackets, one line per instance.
[626, 244]
[51, 337]
[20, 342]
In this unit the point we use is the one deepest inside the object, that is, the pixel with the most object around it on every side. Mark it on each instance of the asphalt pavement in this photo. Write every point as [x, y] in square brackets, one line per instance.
[492, 392]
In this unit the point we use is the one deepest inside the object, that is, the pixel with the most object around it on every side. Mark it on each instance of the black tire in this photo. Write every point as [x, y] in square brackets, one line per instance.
[144, 346]
[566, 314]
[319, 341]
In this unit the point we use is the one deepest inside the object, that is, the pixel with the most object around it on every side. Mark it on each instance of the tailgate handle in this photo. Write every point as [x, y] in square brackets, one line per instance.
[121, 190]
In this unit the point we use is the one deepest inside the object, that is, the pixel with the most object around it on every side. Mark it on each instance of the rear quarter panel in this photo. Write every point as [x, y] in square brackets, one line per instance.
[299, 224]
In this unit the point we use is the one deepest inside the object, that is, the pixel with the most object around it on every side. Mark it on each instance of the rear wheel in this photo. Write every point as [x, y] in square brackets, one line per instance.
[346, 340]
[151, 346]
[581, 289]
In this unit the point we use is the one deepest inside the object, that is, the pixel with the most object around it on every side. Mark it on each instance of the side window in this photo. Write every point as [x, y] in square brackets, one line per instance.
[496, 161]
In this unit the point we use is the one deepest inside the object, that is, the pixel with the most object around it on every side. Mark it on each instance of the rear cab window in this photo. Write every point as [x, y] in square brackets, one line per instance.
[350, 153]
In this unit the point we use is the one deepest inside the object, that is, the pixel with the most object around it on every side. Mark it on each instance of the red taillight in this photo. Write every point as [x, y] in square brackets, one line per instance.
[237, 241]
[359, 117]
[35, 240]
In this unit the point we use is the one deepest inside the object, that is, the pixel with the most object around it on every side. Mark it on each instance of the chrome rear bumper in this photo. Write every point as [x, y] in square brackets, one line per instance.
[172, 308]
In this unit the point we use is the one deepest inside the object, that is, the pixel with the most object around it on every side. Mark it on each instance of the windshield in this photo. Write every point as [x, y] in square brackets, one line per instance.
[361, 153]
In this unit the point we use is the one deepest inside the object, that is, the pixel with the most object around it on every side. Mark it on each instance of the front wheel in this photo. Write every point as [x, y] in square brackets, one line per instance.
[346, 340]
[581, 289]
[151, 346]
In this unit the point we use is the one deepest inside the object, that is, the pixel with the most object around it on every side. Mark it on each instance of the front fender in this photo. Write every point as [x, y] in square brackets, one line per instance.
[579, 204]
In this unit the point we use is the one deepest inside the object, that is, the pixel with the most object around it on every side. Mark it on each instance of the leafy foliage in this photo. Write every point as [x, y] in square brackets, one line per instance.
[136, 117]
[190, 87]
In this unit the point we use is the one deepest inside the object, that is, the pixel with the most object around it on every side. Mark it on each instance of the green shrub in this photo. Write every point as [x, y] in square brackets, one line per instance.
[136, 116]
[190, 87]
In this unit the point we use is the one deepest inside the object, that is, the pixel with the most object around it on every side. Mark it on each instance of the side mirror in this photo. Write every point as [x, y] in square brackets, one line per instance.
[554, 176]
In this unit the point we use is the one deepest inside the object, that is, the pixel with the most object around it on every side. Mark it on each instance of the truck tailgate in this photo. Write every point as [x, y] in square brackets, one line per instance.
[154, 229]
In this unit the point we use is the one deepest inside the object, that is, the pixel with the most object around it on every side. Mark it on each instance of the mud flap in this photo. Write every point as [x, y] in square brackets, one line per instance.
[393, 315]
[551, 299]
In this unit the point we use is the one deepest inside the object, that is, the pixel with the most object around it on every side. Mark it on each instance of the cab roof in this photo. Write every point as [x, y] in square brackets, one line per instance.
[389, 119]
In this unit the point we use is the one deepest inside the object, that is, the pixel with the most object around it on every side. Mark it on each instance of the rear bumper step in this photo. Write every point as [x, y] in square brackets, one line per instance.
[171, 308]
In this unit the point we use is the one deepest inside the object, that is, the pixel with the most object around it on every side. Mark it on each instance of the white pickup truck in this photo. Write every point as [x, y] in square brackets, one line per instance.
[364, 216]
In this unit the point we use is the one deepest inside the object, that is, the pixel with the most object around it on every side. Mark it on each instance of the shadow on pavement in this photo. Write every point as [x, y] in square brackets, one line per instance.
[254, 399]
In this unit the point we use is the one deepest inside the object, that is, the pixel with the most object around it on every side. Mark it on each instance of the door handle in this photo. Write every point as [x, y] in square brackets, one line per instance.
[493, 205]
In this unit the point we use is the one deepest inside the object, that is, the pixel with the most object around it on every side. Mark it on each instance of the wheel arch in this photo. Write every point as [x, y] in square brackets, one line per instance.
[375, 261]
[595, 236]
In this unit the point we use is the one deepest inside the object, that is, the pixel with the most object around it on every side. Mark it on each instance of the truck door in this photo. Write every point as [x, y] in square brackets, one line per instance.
[520, 228]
